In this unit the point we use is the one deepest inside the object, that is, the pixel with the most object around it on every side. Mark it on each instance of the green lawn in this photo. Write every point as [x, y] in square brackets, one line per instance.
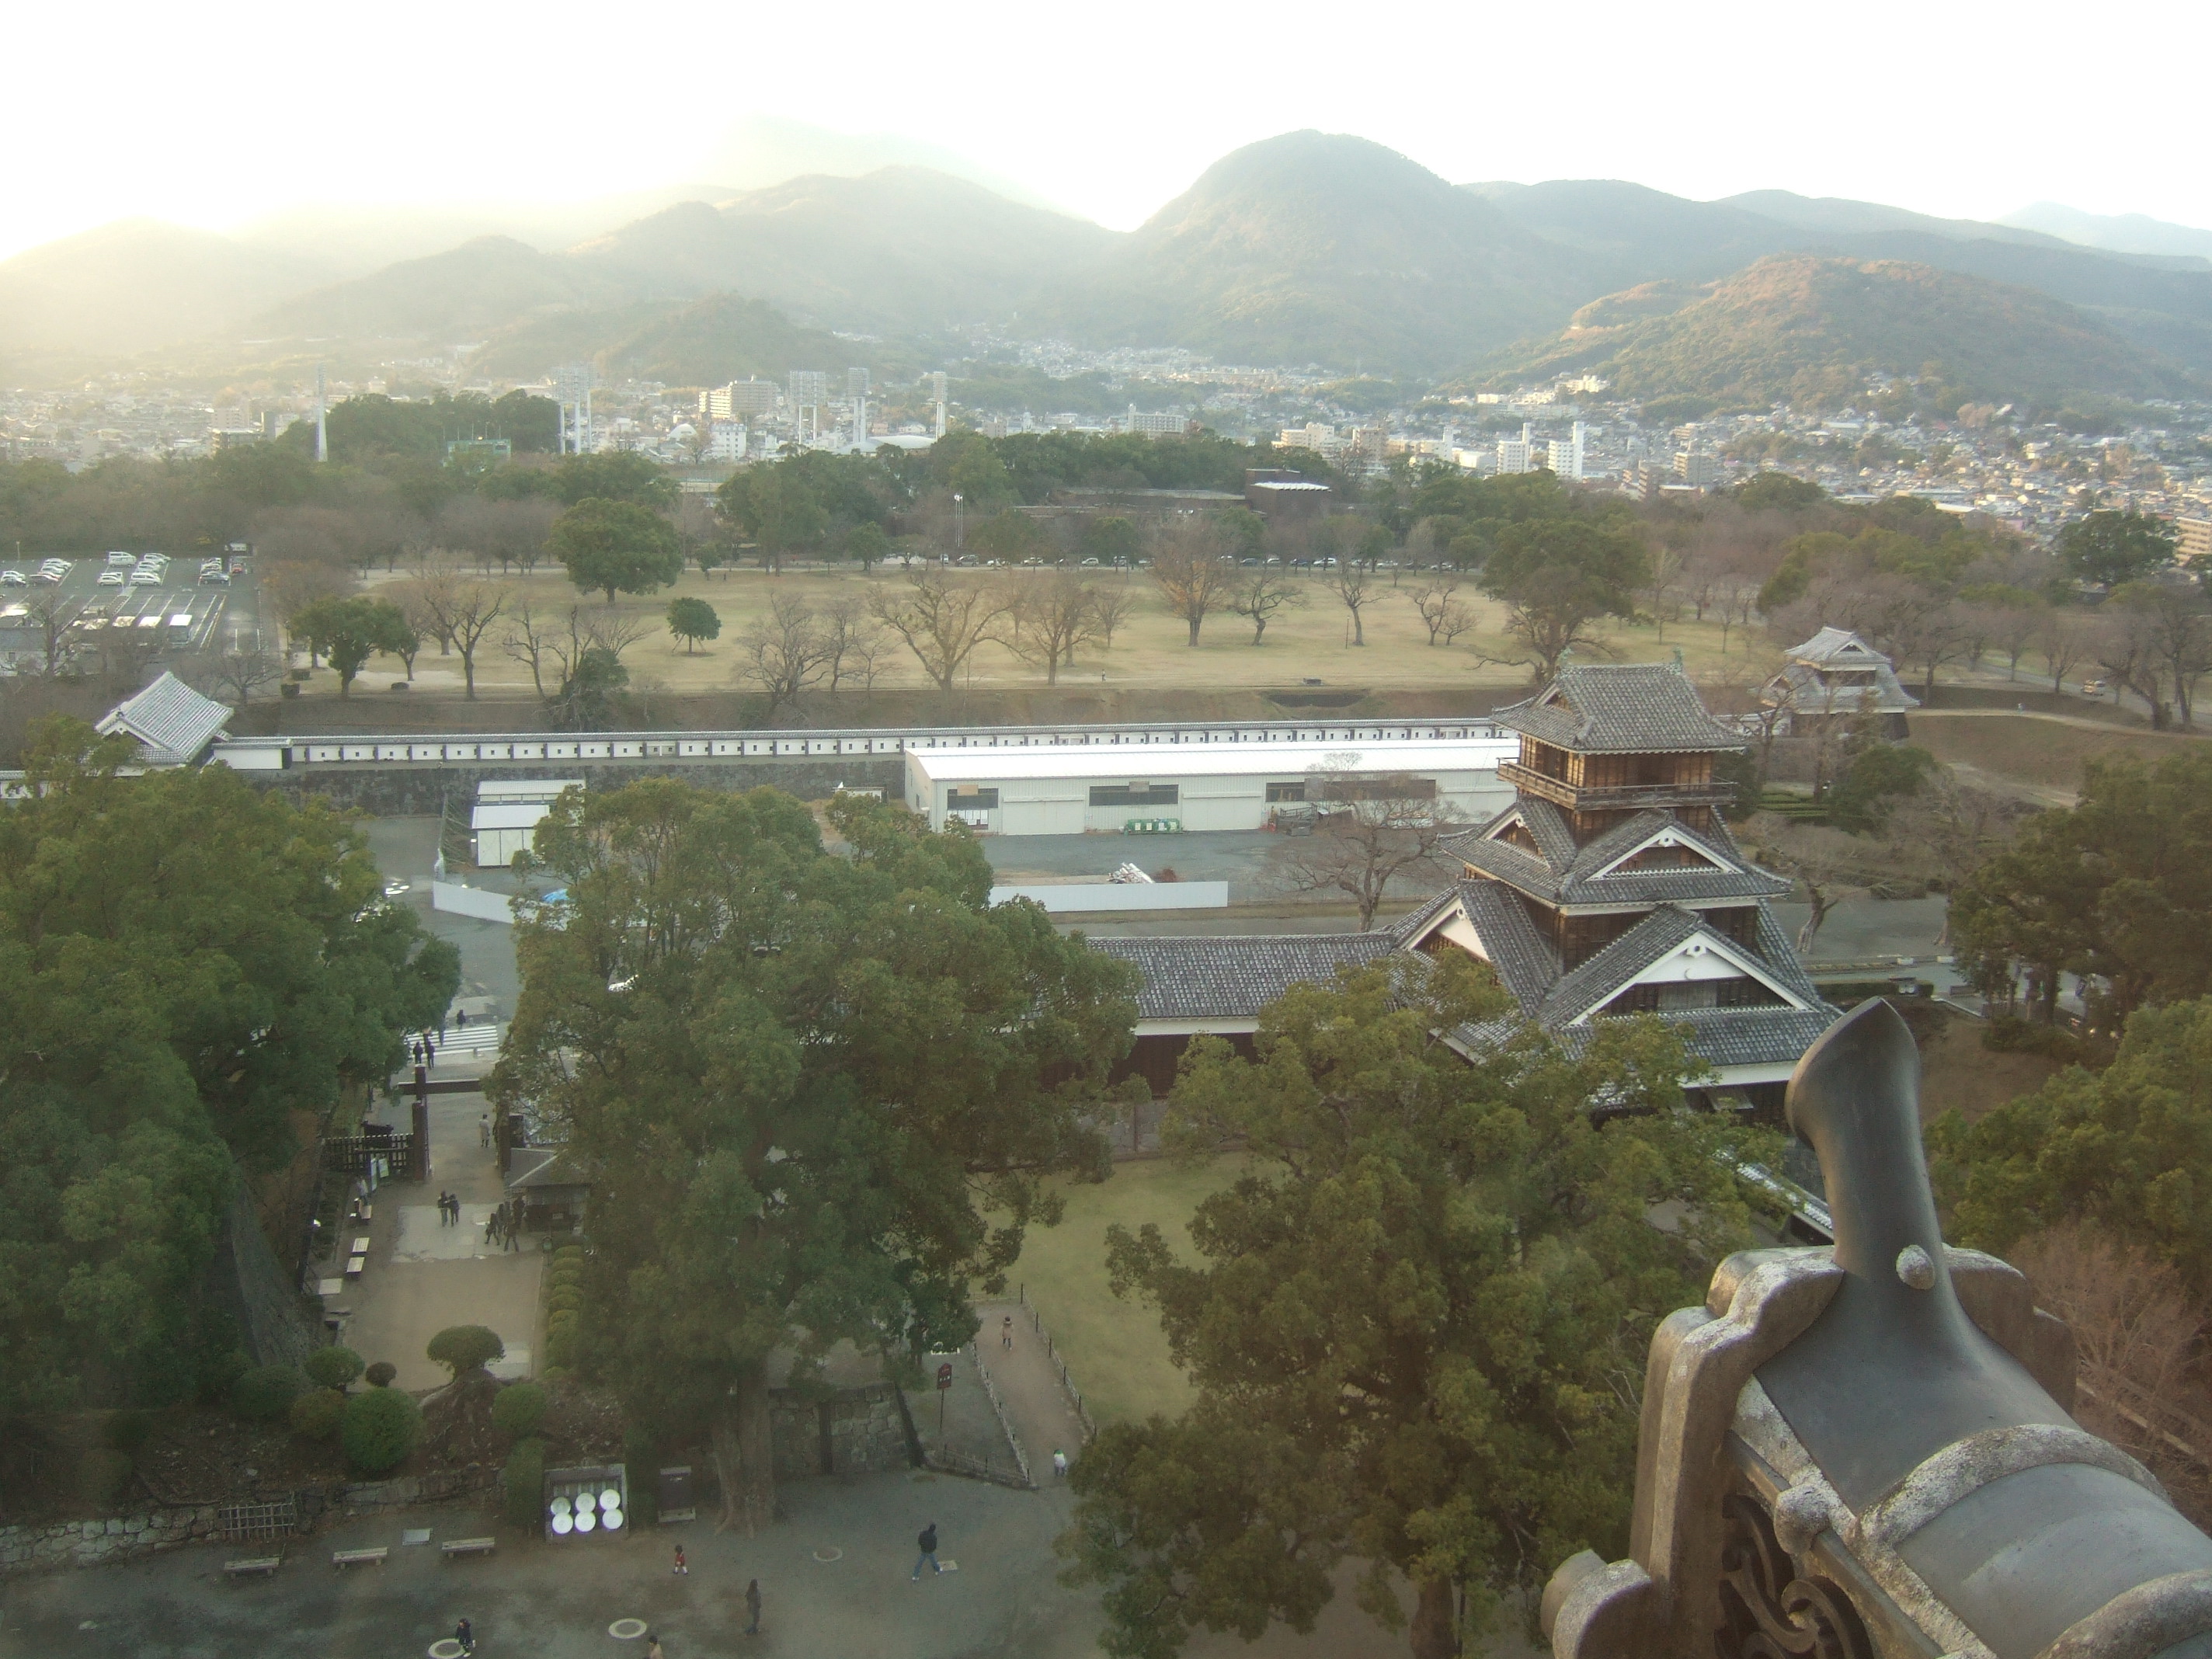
[1112, 1346]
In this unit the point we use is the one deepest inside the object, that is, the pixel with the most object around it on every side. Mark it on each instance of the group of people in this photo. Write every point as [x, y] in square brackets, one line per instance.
[449, 1209]
[505, 1225]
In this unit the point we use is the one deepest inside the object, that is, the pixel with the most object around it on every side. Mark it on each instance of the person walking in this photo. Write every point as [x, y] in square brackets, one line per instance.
[752, 1608]
[465, 1636]
[483, 1130]
[681, 1568]
[1059, 1464]
[928, 1542]
[491, 1229]
[653, 1647]
[1006, 1332]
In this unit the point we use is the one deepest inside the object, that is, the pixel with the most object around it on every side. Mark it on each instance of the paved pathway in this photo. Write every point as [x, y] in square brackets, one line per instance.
[1044, 1416]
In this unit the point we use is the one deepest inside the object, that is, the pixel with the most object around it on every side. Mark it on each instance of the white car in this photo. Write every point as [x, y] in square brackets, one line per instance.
[13, 579]
[111, 579]
[122, 558]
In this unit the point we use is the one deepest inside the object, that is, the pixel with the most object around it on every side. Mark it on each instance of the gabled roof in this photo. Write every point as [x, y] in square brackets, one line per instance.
[1800, 687]
[1527, 965]
[1632, 709]
[1836, 645]
[1598, 978]
[554, 1168]
[1198, 977]
[172, 722]
[1567, 874]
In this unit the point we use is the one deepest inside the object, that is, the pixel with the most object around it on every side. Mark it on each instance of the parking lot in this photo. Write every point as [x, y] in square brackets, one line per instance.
[176, 612]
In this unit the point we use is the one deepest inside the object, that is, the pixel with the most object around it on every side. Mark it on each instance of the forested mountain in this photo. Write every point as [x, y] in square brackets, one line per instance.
[1314, 247]
[1306, 248]
[1809, 329]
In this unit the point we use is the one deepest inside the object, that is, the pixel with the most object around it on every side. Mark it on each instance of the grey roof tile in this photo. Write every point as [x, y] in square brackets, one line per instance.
[1636, 708]
[1233, 977]
[171, 720]
[1525, 963]
[1591, 981]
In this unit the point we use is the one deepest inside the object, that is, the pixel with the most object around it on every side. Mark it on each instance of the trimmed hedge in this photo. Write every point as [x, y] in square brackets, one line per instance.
[466, 1347]
[332, 1368]
[526, 1483]
[266, 1393]
[380, 1428]
[518, 1410]
[316, 1415]
[380, 1374]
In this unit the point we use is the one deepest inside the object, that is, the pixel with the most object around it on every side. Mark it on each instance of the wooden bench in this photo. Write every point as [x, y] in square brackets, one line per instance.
[263, 1565]
[453, 1548]
[360, 1558]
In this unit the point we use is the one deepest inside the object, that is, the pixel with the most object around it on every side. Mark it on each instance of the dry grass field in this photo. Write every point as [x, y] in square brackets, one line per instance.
[1149, 652]
[2033, 749]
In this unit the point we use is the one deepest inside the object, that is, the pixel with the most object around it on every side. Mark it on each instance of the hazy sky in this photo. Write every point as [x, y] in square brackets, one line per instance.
[211, 115]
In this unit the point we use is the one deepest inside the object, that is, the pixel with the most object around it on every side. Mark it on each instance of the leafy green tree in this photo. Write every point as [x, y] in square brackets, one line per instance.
[1007, 536]
[868, 545]
[2110, 547]
[1112, 539]
[1417, 1324]
[1778, 492]
[461, 1348]
[1880, 775]
[2117, 888]
[1558, 577]
[778, 506]
[2124, 1150]
[186, 962]
[350, 631]
[800, 1082]
[615, 475]
[380, 1427]
[692, 621]
[584, 699]
[382, 1374]
[617, 547]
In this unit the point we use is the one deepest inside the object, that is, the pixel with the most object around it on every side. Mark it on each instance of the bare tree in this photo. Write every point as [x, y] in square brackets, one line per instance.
[852, 640]
[555, 643]
[1053, 616]
[2126, 649]
[942, 619]
[1259, 593]
[460, 612]
[2065, 641]
[787, 651]
[527, 640]
[2012, 629]
[1113, 606]
[1828, 863]
[238, 670]
[2177, 631]
[1443, 612]
[2137, 1333]
[1193, 571]
[1369, 831]
[1353, 581]
[52, 619]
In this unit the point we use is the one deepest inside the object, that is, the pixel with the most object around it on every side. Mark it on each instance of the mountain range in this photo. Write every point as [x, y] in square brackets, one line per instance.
[1309, 248]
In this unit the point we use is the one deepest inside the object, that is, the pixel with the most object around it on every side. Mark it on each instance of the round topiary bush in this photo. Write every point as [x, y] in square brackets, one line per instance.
[380, 1374]
[266, 1393]
[332, 1368]
[565, 1301]
[524, 1479]
[126, 1431]
[316, 1415]
[518, 1411]
[560, 1347]
[466, 1347]
[379, 1429]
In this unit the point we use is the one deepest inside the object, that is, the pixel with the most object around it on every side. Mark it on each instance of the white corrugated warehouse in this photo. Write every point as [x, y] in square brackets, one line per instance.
[507, 813]
[1229, 786]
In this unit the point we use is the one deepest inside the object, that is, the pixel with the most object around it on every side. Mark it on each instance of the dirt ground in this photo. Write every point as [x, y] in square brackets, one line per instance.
[2035, 749]
[1956, 1069]
[1311, 640]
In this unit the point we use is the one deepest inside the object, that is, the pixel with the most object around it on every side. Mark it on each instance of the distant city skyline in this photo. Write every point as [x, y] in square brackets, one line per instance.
[213, 120]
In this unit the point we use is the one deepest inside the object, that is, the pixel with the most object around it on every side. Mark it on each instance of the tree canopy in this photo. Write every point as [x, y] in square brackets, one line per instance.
[691, 621]
[187, 961]
[2117, 888]
[1558, 576]
[1417, 1323]
[2124, 1150]
[817, 1094]
[351, 630]
[616, 546]
[2113, 547]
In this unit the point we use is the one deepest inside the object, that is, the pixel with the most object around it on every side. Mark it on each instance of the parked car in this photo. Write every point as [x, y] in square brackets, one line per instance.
[15, 579]
[2094, 688]
[122, 558]
[111, 579]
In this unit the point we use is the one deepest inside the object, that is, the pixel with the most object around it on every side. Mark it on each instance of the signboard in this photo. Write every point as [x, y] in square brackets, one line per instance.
[945, 1376]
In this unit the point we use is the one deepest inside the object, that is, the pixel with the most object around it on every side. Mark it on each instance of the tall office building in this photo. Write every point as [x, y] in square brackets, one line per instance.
[742, 400]
[937, 397]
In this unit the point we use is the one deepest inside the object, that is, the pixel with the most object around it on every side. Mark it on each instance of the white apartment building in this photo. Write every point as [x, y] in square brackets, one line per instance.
[741, 400]
[1696, 469]
[725, 442]
[1517, 454]
[1567, 454]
